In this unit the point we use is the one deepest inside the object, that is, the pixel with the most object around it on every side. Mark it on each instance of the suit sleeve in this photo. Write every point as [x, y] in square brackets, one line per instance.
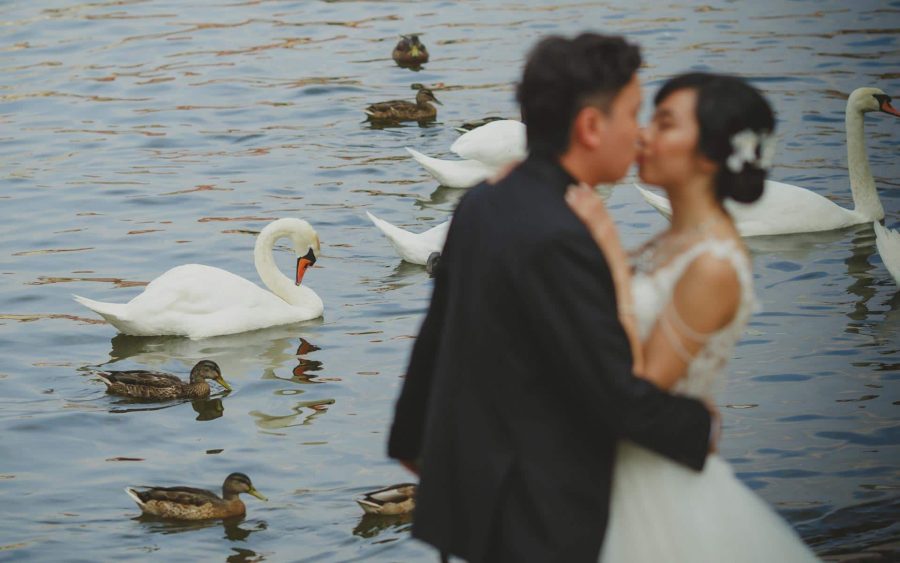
[575, 303]
[407, 430]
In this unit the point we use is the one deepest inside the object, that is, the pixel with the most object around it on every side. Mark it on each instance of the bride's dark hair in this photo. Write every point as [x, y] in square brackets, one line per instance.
[726, 106]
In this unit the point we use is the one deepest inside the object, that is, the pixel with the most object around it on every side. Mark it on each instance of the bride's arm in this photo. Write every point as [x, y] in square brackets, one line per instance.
[704, 300]
[591, 210]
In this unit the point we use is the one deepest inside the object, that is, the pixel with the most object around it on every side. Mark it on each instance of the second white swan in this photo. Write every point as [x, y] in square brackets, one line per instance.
[784, 208]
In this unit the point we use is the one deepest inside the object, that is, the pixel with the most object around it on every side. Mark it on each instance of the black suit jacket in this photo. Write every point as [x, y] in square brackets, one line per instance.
[520, 384]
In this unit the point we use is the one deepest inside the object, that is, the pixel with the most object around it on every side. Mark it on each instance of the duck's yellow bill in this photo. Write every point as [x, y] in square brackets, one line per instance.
[257, 494]
[223, 383]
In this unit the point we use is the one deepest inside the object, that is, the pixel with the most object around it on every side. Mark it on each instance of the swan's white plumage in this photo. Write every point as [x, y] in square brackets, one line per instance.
[200, 301]
[413, 247]
[785, 208]
[888, 243]
[782, 209]
[496, 143]
[454, 173]
[485, 150]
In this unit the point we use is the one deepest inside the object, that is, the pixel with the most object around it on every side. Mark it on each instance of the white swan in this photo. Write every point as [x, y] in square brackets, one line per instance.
[200, 301]
[888, 243]
[412, 247]
[485, 151]
[784, 208]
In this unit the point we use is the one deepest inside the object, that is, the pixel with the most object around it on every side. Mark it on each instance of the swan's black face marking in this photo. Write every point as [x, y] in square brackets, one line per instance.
[884, 103]
[304, 263]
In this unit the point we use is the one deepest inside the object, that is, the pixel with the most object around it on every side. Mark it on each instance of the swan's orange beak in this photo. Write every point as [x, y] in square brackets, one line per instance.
[304, 263]
[886, 107]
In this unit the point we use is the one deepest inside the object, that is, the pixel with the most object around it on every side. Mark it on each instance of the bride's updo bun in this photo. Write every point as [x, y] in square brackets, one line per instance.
[736, 126]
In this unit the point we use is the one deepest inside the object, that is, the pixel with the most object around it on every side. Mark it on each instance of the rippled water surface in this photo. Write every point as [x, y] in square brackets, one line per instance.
[139, 135]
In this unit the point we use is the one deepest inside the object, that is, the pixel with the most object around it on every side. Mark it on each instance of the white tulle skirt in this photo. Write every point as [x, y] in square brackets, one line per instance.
[662, 511]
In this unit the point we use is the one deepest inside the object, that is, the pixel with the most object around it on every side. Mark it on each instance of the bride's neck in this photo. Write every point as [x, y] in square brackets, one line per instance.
[694, 204]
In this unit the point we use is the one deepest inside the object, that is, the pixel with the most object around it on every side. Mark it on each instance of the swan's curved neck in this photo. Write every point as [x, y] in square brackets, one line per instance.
[268, 271]
[862, 184]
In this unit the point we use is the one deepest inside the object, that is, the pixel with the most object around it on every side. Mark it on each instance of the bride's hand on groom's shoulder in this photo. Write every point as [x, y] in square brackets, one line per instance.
[589, 207]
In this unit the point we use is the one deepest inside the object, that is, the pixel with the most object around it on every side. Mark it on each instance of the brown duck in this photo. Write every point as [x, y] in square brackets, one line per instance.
[390, 501]
[402, 110]
[410, 51]
[186, 503]
[153, 385]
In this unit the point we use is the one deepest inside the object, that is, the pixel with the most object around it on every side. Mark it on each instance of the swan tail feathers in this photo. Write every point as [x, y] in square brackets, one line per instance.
[114, 313]
[452, 173]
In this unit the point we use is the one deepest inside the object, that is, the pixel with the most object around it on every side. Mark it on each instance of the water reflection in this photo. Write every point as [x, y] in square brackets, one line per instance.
[442, 198]
[231, 526]
[272, 346]
[370, 525]
[206, 409]
[798, 247]
[301, 372]
[303, 413]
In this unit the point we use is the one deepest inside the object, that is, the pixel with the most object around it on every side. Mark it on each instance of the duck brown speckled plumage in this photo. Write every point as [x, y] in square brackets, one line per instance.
[402, 110]
[389, 501]
[187, 503]
[153, 385]
[410, 51]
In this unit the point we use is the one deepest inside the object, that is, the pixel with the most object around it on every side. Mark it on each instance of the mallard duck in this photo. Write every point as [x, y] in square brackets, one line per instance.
[396, 499]
[153, 385]
[187, 503]
[476, 123]
[410, 51]
[402, 110]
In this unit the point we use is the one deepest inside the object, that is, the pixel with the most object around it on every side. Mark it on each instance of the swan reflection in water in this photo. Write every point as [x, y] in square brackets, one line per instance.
[303, 413]
[274, 347]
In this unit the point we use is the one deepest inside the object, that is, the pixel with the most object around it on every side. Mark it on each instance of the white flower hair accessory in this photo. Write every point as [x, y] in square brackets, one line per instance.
[744, 147]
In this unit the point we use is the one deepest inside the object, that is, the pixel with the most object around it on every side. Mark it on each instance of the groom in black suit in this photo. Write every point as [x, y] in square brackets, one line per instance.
[520, 381]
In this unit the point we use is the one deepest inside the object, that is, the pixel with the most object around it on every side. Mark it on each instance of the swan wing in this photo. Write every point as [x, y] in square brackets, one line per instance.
[496, 143]
[782, 209]
[410, 246]
[455, 173]
[888, 243]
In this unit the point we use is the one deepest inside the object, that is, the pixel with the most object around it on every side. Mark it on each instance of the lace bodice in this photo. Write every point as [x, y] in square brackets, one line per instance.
[652, 291]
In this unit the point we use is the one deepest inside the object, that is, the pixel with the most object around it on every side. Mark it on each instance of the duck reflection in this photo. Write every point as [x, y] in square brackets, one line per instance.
[303, 413]
[206, 409]
[244, 556]
[231, 526]
[370, 525]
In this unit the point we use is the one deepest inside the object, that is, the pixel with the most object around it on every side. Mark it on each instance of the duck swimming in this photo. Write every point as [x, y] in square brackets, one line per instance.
[390, 501]
[402, 110]
[187, 503]
[153, 385]
[410, 51]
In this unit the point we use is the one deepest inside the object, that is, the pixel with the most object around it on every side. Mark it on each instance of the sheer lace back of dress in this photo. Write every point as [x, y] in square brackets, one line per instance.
[652, 289]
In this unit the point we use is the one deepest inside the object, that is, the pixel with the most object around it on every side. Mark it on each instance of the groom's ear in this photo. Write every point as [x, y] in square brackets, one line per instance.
[589, 127]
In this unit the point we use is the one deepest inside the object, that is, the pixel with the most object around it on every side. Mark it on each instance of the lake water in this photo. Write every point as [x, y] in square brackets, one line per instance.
[139, 135]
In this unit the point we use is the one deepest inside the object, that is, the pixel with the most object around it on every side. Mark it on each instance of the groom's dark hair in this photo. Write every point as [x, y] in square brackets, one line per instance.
[562, 76]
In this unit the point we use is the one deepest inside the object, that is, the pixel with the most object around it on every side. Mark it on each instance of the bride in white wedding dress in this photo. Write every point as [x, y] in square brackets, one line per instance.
[684, 299]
